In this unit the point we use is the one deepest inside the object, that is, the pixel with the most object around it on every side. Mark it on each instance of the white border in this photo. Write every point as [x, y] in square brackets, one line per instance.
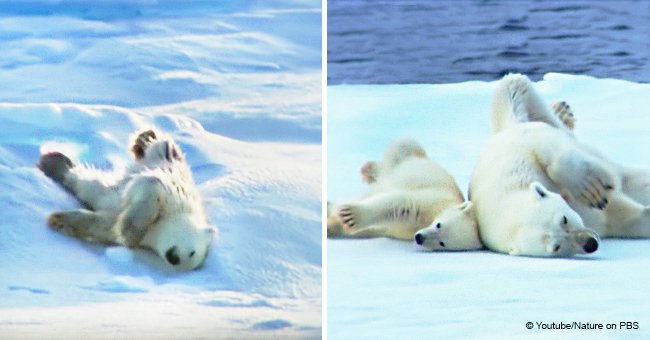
[324, 168]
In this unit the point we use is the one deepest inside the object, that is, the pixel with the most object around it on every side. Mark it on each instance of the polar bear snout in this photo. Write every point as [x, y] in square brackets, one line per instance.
[431, 237]
[591, 245]
[588, 241]
[171, 255]
[419, 239]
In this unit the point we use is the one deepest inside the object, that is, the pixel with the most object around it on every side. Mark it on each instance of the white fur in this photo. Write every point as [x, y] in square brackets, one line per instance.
[534, 175]
[153, 204]
[454, 229]
[517, 102]
[407, 192]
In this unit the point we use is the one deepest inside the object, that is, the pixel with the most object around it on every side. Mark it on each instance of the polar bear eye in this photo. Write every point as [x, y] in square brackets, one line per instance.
[192, 253]
[438, 227]
[564, 220]
[442, 244]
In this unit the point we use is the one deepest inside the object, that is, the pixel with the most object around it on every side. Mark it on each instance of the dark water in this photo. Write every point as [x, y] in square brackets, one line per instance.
[416, 41]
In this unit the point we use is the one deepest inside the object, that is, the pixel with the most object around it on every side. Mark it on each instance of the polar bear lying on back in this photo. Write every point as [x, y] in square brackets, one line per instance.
[154, 205]
[409, 196]
[535, 184]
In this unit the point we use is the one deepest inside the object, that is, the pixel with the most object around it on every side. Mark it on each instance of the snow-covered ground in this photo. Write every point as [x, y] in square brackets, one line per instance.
[387, 289]
[238, 84]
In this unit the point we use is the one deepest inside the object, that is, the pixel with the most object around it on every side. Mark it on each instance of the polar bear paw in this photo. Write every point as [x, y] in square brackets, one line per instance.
[142, 142]
[352, 216]
[586, 179]
[55, 165]
[563, 111]
[594, 191]
[59, 222]
[369, 172]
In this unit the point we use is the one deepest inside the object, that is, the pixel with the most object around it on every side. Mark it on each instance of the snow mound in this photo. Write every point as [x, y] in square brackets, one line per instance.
[265, 199]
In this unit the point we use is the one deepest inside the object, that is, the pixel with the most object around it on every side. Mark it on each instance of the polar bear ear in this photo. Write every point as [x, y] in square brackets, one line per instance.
[466, 207]
[538, 190]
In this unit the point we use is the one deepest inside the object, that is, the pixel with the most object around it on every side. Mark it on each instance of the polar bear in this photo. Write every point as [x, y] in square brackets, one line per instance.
[154, 205]
[534, 185]
[408, 192]
[627, 214]
[628, 211]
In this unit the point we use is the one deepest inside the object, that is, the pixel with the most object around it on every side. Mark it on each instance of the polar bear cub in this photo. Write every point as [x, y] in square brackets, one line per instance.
[154, 205]
[409, 196]
[535, 185]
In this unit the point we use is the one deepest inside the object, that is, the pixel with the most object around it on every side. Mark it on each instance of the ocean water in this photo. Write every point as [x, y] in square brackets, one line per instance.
[419, 41]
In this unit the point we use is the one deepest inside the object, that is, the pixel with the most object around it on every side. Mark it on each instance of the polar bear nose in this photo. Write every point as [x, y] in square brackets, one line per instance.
[419, 239]
[172, 256]
[590, 246]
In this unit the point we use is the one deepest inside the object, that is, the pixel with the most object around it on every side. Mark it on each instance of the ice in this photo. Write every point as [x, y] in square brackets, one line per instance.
[119, 284]
[385, 289]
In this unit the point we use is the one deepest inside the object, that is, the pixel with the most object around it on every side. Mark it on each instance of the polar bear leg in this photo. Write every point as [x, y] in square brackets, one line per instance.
[143, 206]
[401, 150]
[627, 218]
[636, 184]
[395, 154]
[162, 151]
[84, 224]
[371, 231]
[88, 185]
[369, 172]
[151, 148]
[516, 101]
[140, 142]
[398, 213]
[334, 226]
[376, 208]
[55, 165]
[90, 188]
[336, 229]
[584, 177]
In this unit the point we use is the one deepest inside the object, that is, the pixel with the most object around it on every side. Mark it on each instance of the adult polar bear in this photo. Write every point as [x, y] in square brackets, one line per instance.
[154, 205]
[408, 192]
[535, 184]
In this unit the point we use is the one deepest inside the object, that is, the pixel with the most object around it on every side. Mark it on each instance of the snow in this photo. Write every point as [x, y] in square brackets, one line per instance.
[384, 289]
[238, 85]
